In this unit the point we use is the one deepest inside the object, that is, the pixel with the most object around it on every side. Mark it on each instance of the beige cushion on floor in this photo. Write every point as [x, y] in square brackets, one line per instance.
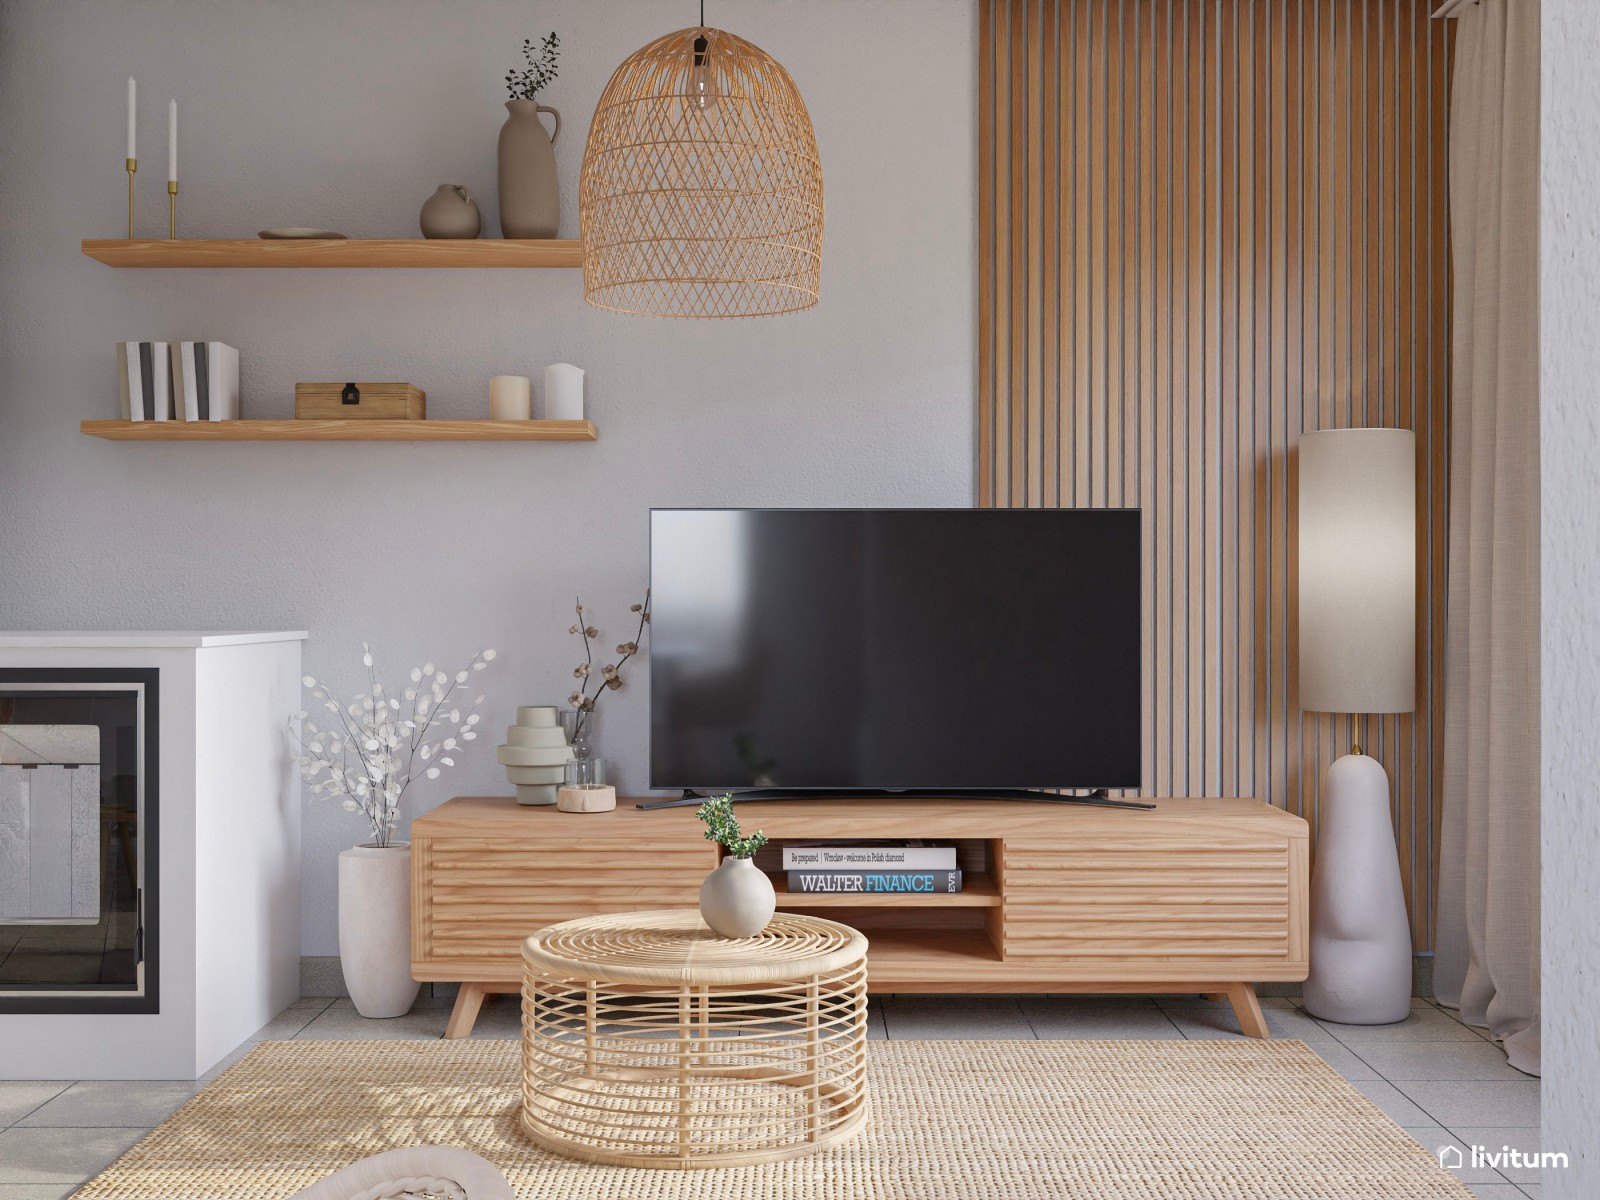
[413, 1171]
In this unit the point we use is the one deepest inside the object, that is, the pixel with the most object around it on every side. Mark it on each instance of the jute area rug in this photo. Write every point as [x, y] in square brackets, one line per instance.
[996, 1120]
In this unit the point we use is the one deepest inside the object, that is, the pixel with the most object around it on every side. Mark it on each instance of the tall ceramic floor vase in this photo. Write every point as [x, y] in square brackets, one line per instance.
[375, 928]
[737, 899]
[1360, 937]
[530, 200]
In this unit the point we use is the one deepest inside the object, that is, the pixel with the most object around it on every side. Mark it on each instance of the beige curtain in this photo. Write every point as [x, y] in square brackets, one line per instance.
[1487, 958]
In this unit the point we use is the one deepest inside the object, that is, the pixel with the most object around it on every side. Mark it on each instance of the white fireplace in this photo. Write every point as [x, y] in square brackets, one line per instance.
[149, 849]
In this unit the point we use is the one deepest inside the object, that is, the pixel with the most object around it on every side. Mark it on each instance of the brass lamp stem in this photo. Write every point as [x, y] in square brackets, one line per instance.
[133, 165]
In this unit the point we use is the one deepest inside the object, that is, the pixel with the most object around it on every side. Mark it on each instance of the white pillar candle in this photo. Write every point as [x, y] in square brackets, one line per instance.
[172, 140]
[510, 398]
[563, 392]
[131, 105]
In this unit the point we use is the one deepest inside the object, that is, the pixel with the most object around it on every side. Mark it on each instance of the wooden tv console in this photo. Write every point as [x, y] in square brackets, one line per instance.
[1195, 895]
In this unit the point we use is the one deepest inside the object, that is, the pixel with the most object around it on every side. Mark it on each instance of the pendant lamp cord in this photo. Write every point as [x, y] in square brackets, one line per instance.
[702, 14]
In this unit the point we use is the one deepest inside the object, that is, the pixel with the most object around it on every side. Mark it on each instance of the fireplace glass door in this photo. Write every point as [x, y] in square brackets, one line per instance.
[77, 840]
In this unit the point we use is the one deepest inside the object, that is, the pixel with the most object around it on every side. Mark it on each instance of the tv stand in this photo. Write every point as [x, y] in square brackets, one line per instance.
[692, 798]
[1197, 896]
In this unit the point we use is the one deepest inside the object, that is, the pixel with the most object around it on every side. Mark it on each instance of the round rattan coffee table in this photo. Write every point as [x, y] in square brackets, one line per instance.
[649, 1041]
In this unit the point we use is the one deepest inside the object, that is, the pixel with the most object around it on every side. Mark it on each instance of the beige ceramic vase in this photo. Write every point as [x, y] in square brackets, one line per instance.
[450, 213]
[375, 928]
[530, 200]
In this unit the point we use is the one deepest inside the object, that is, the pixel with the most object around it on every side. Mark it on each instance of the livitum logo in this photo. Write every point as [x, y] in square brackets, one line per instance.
[1453, 1158]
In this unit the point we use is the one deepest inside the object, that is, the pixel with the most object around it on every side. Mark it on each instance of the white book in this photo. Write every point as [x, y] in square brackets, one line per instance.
[158, 404]
[144, 388]
[798, 856]
[210, 385]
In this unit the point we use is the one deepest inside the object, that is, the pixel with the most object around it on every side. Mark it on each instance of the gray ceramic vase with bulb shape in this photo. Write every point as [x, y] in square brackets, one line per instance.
[530, 201]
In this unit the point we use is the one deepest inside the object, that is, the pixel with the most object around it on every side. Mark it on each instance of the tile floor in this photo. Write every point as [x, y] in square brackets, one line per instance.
[1441, 1080]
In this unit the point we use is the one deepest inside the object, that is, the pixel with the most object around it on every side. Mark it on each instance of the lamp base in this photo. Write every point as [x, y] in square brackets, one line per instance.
[1360, 936]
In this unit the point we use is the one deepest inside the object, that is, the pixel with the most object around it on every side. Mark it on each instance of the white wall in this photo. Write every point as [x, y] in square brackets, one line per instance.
[348, 116]
[1570, 483]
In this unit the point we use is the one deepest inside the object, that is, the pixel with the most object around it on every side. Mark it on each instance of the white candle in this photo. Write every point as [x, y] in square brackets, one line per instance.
[172, 140]
[563, 392]
[131, 106]
[510, 398]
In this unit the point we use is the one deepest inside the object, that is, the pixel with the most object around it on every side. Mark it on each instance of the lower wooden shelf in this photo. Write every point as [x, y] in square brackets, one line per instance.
[905, 955]
[342, 431]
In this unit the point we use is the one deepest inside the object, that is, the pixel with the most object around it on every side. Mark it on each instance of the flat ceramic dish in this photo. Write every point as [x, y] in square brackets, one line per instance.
[296, 232]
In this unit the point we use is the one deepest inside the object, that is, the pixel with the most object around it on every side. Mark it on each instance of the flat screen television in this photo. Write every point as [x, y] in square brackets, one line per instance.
[922, 650]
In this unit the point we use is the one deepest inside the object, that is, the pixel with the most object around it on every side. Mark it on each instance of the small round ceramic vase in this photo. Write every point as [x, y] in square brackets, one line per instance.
[737, 899]
[375, 928]
[451, 213]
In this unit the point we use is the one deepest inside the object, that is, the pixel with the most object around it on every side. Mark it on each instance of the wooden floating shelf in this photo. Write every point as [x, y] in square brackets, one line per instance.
[342, 431]
[350, 252]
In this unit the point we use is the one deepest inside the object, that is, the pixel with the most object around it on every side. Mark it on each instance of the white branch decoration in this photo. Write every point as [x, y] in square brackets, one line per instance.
[369, 752]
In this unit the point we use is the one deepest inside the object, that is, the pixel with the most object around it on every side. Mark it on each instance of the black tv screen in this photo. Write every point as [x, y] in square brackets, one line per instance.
[894, 649]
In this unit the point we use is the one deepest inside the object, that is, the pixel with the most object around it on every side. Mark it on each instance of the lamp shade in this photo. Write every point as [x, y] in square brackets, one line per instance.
[701, 188]
[1358, 570]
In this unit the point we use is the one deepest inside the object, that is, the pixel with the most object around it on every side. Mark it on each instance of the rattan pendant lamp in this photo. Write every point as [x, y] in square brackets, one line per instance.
[701, 189]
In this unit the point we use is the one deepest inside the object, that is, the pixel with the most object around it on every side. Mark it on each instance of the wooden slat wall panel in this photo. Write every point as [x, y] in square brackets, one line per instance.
[1206, 226]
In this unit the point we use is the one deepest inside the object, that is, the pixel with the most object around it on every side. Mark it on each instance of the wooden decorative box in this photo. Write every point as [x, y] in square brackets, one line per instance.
[355, 401]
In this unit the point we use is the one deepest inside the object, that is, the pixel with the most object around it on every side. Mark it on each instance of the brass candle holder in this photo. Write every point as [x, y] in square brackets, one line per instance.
[133, 165]
[172, 208]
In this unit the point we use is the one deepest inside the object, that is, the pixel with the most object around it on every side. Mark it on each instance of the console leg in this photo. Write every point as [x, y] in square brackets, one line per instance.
[465, 1013]
[1252, 1022]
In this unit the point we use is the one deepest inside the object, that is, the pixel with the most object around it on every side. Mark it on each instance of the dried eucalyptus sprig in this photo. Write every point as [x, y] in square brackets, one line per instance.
[610, 678]
[722, 827]
[369, 755]
[541, 70]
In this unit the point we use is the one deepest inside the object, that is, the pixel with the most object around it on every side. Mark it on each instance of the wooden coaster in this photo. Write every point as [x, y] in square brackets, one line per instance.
[586, 799]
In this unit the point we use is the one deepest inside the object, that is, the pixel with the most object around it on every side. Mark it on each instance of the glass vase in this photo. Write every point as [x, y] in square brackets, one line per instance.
[586, 773]
[580, 730]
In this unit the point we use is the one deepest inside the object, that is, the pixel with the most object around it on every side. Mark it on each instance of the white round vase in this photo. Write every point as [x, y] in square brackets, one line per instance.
[375, 928]
[1360, 937]
[737, 899]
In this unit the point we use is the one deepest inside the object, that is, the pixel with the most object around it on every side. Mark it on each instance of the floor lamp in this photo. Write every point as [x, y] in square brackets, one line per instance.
[1358, 606]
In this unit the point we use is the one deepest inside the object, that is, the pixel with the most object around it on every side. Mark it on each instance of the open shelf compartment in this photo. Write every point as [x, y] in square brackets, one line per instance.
[978, 858]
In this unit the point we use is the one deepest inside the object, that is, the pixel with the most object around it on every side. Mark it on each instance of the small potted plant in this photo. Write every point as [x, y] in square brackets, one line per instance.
[736, 899]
